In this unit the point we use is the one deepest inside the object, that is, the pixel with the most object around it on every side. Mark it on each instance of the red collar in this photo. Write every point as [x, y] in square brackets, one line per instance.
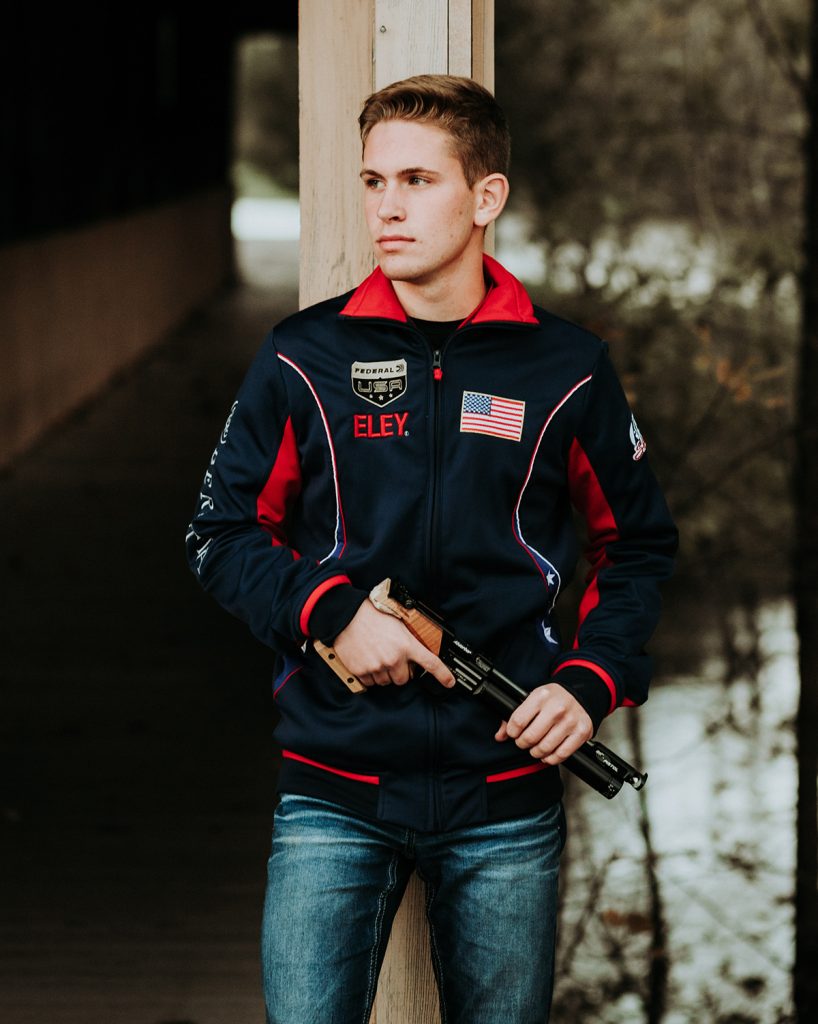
[506, 299]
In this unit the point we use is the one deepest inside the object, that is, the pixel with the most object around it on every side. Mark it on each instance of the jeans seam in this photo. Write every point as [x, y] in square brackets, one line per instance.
[436, 961]
[392, 880]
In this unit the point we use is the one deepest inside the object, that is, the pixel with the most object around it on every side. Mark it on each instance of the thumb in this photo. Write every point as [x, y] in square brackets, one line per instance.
[502, 733]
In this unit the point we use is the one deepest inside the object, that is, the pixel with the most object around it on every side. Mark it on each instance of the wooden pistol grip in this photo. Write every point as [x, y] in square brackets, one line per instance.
[352, 683]
[422, 628]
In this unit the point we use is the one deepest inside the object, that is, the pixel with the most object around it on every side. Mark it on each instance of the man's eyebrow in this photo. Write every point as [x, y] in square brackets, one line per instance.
[405, 173]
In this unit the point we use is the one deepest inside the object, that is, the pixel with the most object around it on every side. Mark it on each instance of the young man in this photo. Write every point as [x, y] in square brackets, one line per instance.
[431, 425]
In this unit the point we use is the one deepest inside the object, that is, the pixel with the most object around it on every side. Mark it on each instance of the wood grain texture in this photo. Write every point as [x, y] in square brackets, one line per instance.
[347, 48]
[335, 78]
[410, 39]
[407, 991]
[482, 68]
[460, 37]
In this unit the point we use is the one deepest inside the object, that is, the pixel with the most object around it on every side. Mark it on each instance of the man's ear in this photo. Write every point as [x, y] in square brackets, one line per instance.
[492, 193]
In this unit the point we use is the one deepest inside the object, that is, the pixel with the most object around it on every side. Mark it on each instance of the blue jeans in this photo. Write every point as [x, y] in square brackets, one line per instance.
[336, 880]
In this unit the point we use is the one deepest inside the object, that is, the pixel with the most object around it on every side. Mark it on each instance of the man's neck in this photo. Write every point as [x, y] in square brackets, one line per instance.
[448, 297]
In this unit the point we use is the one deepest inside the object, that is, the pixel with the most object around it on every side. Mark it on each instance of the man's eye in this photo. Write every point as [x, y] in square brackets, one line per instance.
[373, 183]
[416, 179]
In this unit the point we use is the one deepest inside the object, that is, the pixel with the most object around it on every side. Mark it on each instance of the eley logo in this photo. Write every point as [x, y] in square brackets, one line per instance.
[379, 383]
[388, 424]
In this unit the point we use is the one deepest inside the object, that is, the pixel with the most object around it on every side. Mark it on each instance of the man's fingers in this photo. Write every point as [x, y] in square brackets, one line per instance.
[522, 717]
[550, 724]
[543, 708]
[380, 650]
[544, 743]
[423, 656]
[568, 746]
[544, 733]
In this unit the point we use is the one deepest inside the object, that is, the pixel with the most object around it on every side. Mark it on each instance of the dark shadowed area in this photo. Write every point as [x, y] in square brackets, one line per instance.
[138, 769]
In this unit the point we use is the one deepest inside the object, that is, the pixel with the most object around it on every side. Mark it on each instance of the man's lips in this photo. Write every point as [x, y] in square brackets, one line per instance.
[388, 241]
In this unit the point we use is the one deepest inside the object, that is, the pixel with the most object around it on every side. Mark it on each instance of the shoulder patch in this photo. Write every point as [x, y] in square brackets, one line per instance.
[638, 442]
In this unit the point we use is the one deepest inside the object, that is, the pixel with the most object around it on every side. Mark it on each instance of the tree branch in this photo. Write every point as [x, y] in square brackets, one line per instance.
[776, 51]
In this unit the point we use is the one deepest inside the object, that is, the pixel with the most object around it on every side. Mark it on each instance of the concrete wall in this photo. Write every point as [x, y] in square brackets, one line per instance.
[77, 307]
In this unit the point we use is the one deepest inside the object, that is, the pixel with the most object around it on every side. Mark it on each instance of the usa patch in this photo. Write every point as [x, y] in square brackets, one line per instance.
[492, 415]
[379, 383]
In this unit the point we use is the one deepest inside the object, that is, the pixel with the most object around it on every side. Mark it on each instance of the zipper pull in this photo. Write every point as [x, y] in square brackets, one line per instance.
[437, 369]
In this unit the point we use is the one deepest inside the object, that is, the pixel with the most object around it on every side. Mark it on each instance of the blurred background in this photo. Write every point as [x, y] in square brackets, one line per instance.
[149, 224]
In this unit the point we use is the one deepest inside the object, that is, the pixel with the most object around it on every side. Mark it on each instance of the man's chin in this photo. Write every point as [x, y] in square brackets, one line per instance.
[397, 270]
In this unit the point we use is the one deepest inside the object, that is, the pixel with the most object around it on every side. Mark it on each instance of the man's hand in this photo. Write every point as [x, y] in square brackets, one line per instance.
[550, 723]
[379, 650]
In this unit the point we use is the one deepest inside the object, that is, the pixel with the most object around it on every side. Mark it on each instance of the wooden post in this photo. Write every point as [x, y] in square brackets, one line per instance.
[348, 48]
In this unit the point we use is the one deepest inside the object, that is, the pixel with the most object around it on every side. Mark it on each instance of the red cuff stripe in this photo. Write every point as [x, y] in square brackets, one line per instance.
[373, 780]
[315, 596]
[515, 773]
[606, 677]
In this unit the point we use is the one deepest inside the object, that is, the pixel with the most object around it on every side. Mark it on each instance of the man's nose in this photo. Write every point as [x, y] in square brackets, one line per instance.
[390, 207]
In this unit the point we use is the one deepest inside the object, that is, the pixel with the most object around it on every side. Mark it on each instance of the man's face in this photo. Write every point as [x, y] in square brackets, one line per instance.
[419, 209]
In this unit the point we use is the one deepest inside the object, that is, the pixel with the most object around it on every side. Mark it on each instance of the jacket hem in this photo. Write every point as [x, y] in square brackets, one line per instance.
[512, 796]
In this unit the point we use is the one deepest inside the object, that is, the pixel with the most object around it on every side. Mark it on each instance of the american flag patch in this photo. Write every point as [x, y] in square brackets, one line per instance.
[488, 414]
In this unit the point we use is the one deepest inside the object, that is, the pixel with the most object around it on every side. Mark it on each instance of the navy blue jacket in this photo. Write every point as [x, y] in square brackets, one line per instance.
[352, 453]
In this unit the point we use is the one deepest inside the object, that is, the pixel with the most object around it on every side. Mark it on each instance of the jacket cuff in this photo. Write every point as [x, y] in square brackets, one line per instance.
[590, 684]
[334, 611]
[314, 597]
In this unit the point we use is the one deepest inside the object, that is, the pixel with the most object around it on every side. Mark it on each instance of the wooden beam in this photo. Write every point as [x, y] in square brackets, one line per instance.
[460, 37]
[482, 42]
[335, 77]
[410, 39]
[347, 48]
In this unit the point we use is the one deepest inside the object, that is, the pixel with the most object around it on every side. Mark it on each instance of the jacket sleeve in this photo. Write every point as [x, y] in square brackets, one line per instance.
[237, 543]
[631, 543]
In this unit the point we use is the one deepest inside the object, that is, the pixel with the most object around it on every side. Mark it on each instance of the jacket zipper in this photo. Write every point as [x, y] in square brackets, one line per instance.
[431, 565]
[434, 777]
[437, 375]
[432, 542]
[431, 546]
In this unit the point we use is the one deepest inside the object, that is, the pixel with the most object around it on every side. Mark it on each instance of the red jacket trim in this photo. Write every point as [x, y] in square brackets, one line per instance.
[340, 539]
[372, 780]
[314, 598]
[506, 299]
[515, 773]
[589, 498]
[281, 488]
[539, 560]
[286, 679]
